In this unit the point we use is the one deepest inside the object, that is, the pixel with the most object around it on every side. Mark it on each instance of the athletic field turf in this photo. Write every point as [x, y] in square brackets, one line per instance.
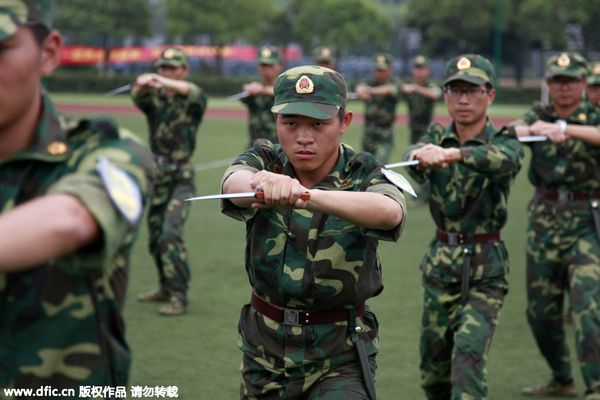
[197, 352]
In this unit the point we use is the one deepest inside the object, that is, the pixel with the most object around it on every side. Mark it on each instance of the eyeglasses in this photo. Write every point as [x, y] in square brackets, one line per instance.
[566, 83]
[457, 93]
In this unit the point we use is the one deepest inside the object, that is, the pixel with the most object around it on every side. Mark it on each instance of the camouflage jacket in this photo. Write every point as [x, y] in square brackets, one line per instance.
[420, 108]
[173, 122]
[61, 322]
[261, 123]
[380, 111]
[311, 260]
[470, 197]
[572, 165]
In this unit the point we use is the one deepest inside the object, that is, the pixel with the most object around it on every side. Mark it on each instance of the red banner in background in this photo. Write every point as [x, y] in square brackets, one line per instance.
[87, 55]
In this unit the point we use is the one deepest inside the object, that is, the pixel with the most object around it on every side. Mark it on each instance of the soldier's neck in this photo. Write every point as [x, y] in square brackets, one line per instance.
[467, 132]
[566, 112]
[18, 135]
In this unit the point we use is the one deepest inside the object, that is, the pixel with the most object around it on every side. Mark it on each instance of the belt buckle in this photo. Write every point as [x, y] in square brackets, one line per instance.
[565, 195]
[453, 238]
[291, 317]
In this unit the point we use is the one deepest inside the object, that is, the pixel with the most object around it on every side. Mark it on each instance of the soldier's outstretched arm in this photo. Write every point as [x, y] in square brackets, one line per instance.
[365, 209]
[43, 229]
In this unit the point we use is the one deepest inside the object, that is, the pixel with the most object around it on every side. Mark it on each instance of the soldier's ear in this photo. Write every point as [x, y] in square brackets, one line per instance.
[491, 96]
[51, 52]
[346, 120]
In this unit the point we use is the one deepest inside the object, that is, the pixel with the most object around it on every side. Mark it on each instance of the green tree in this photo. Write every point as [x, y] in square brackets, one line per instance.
[586, 14]
[451, 27]
[224, 21]
[104, 20]
[528, 24]
[342, 24]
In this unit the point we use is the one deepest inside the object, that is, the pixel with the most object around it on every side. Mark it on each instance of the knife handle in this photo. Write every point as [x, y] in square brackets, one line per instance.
[304, 196]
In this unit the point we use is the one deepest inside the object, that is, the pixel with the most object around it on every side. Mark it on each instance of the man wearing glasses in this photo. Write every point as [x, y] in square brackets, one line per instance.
[563, 247]
[465, 267]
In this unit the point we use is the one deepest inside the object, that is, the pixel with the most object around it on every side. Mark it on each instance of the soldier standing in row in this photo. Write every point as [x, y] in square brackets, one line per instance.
[563, 236]
[174, 109]
[324, 57]
[261, 124]
[381, 95]
[420, 95]
[312, 263]
[464, 271]
[71, 196]
[592, 90]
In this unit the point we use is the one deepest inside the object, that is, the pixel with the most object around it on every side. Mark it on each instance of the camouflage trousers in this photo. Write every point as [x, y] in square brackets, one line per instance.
[166, 220]
[563, 254]
[456, 338]
[379, 141]
[309, 362]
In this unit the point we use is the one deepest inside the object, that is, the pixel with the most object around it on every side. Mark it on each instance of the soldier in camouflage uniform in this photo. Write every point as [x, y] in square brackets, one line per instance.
[71, 195]
[174, 109]
[420, 95]
[325, 57]
[312, 263]
[592, 90]
[261, 124]
[563, 245]
[381, 95]
[464, 270]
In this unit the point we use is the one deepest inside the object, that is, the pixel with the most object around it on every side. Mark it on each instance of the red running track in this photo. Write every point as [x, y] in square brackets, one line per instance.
[225, 113]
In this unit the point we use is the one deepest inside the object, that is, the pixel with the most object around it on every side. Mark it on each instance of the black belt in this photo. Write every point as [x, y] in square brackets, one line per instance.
[168, 160]
[458, 238]
[295, 317]
[566, 195]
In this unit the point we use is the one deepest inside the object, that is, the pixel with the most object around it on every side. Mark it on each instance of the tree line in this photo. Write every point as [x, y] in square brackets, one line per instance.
[508, 28]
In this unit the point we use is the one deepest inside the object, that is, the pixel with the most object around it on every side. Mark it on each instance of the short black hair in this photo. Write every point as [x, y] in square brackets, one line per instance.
[40, 31]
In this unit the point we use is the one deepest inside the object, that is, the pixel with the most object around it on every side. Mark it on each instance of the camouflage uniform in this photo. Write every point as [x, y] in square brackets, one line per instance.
[593, 83]
[380, 117]
[469, 197]
[173, 124]
[261, 123]
[61, 322]
[312, 261]
[563, 245]
[420, 109]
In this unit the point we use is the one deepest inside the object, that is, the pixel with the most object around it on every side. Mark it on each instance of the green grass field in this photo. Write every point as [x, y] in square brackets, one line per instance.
[197, 352]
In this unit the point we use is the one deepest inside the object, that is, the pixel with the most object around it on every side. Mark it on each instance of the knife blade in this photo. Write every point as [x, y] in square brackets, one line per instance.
[413, 162]
[243, 195]
[238, 96]
[118, 90]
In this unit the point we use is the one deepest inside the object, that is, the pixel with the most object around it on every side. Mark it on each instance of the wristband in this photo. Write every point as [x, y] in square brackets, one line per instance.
[562, 124]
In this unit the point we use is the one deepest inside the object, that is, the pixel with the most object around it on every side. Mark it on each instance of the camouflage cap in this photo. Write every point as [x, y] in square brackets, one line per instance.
[315, 92]
[420, 61]
[269, 55]
[383, 61]
[15, 13]
[173, 57]
[566, 64]
[324, 54]
[594, 73]
[471, 68]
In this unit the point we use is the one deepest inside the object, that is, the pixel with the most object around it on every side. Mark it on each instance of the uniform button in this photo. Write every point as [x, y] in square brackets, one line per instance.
[290, 333]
